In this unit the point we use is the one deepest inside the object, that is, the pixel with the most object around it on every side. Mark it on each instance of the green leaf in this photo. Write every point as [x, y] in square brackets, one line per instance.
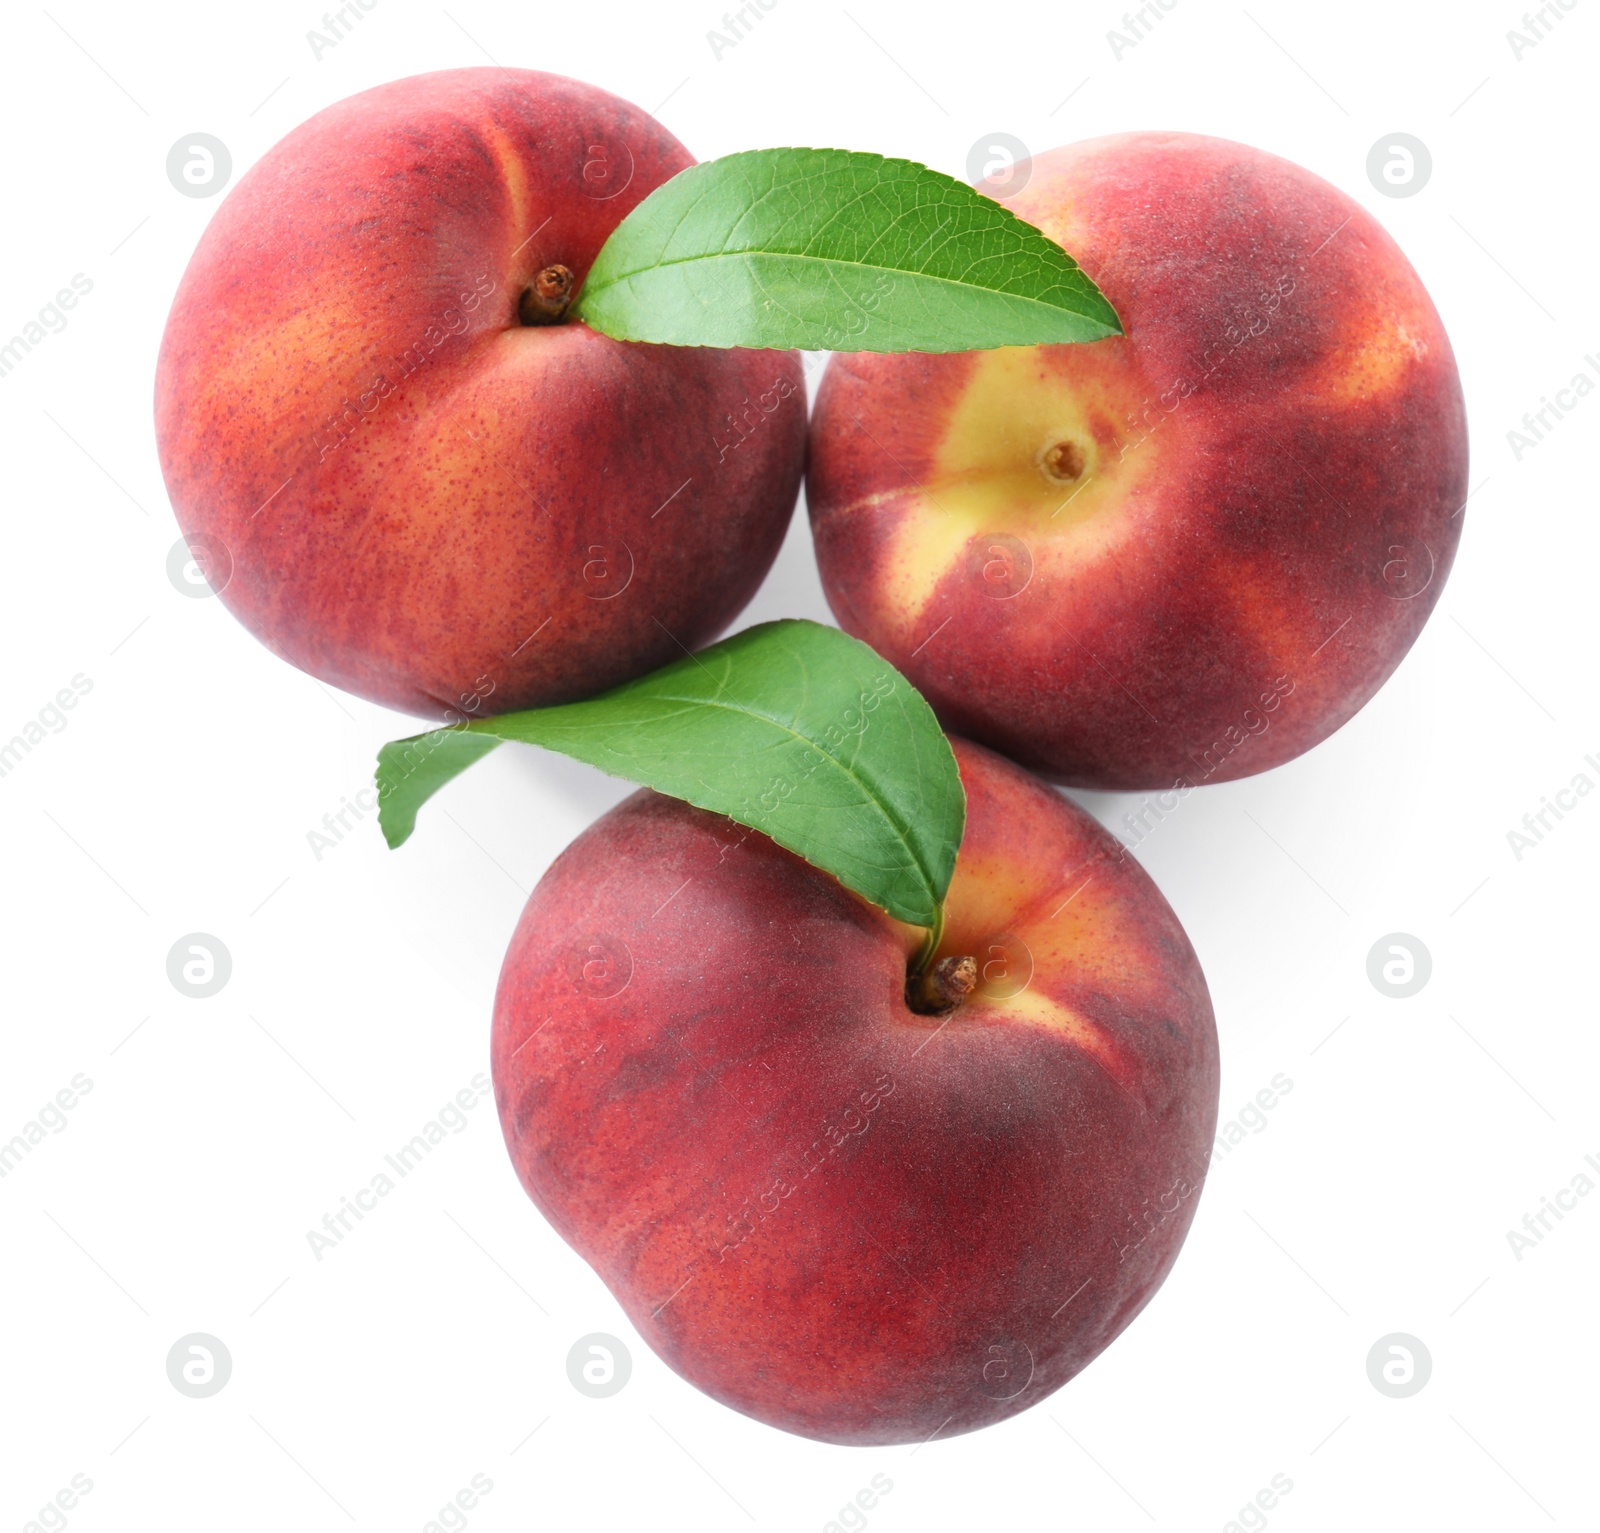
[411, 771]
[792, 728]
[834, 251]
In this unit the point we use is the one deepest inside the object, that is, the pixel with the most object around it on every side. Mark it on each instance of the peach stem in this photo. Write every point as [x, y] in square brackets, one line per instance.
[930, 945]
[545, 302]
[944, 987]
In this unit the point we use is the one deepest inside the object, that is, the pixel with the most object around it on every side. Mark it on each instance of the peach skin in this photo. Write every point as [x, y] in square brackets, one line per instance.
[1177, 556]
[409, 476]
[849, 1217]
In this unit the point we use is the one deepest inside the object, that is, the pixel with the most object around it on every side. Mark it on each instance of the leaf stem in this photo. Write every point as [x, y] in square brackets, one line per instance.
[930, 944]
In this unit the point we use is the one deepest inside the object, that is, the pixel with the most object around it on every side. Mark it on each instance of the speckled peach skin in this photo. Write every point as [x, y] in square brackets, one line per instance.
[421, 499]
[838, 1216]
[1270, 465]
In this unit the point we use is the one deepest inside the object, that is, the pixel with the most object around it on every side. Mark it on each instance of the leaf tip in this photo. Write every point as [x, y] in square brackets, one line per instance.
[394, 820]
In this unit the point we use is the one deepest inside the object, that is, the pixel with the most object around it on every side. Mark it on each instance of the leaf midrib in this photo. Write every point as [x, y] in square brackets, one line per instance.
[871, 798]
[899, 271]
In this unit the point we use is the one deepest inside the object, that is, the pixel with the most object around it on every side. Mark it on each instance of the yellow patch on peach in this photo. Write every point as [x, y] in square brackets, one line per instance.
[1033, 1008]
[988, 895]
[1061, 920]
[1087, 936]
[1377, 356]
[513, 172]
[1032, 451]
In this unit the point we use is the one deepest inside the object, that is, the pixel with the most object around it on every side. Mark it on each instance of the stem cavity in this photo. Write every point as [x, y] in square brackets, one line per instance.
[936, 989]
[943, 987]
[545, 302]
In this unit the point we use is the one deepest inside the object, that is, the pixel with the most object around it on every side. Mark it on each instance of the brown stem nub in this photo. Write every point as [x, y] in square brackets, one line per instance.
[943, 987]
[545, 303]
[1063, 462]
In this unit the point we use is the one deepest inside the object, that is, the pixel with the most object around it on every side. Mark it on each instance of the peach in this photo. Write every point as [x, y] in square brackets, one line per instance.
[847, 1218]
[404, 478]
[1180, 555]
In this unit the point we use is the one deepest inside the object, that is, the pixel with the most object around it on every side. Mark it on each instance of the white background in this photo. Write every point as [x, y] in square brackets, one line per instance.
[369, 1388]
